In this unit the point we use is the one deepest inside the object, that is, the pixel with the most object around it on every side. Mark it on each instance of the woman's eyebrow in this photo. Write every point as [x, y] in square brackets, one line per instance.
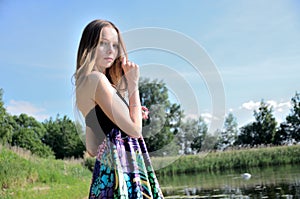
[106, 39]
[103, 38]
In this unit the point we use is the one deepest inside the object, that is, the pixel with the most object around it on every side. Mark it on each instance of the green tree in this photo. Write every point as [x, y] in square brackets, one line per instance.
[199, 136]
[228, 135]
[28, 134]
[247, 135]
[282, 134]
[265, 124]
[187, 135]
[289, 131]
[61, 136]
[263, 130]
[164, 119]
[6, 129]
[210, 142]
[293, 119]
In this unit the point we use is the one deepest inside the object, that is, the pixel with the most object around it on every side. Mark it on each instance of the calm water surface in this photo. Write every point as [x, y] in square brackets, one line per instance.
[270, 182]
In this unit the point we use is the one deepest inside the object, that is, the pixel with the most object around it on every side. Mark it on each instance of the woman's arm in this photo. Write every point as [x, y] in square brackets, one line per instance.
[128, 120]
[131, 72]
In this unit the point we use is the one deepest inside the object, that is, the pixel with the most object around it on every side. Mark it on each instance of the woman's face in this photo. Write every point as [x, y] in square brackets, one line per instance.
[107, 50]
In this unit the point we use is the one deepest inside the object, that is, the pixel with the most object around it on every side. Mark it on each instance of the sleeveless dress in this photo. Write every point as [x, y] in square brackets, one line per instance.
[123, 166]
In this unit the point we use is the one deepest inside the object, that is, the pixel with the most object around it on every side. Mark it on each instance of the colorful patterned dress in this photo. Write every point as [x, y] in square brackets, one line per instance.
[123, 166]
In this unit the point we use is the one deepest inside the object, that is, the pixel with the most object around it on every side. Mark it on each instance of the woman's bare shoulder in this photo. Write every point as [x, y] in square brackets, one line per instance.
[97, 78]
[95, 75]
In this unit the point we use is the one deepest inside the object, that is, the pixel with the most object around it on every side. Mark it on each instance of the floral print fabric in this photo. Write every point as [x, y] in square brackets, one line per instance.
[123, 169]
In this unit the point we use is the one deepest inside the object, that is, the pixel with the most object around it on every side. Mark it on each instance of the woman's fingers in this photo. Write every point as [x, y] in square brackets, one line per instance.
[123, 61]
[144, 108]
[127, 65]
[145, 112]
[131, 71]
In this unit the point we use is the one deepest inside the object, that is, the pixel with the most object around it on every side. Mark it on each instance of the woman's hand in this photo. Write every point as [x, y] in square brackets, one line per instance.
[145, 113]
[132, 74]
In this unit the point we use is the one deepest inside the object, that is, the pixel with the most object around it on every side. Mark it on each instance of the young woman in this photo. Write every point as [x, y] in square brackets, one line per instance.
[107, 95]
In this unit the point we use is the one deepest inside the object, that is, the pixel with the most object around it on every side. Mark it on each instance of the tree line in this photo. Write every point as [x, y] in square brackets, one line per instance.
[181, 135]
[166, 132]
[52, 138]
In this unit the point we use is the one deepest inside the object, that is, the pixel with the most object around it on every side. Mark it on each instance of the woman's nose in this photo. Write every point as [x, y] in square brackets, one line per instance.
[110, 48]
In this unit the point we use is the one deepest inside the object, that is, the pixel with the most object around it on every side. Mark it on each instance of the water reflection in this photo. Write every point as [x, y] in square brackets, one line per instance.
[271, 182]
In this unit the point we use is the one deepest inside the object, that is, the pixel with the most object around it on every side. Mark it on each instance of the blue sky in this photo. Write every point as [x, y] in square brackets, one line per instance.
[253, 44]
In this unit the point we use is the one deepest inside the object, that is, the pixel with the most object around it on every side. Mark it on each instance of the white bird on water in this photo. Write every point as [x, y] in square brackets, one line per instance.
[246, 176]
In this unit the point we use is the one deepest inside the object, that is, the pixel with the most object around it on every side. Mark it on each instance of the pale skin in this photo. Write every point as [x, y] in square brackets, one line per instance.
[96, 88]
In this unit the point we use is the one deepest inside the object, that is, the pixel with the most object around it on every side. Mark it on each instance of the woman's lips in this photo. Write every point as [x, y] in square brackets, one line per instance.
[109, 59]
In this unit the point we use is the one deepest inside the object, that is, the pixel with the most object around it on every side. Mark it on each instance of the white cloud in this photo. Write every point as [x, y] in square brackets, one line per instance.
[280, 106]
[207, 117]
[17, 107]
[191, 116]
[277, 106]
[280, 110]
[251, 105]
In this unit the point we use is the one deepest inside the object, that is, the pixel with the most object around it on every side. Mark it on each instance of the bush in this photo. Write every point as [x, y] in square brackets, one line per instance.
[89, 163]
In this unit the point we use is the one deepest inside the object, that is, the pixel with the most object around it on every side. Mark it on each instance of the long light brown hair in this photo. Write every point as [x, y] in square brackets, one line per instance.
[86, 54]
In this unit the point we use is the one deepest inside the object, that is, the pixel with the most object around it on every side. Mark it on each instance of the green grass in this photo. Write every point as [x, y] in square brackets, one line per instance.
[235, 159]
[26, 176]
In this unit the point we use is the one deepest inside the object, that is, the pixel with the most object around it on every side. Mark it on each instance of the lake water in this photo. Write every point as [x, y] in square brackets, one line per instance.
[271, 182]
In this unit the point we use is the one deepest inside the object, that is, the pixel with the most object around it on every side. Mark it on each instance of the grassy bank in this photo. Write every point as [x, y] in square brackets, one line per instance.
[25, 176]
[236, 159]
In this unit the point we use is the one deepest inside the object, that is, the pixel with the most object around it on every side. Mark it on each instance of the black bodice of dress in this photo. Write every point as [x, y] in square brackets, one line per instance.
[97, 117]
